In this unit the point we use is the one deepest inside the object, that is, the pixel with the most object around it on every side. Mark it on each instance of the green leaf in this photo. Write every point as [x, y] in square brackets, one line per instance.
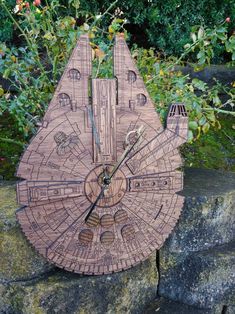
[6, 73]
[118, 21]
[206, 127]
[199, 84]
[49, 36]
[211, 116]
[222, 37]
[1, 91]
[200, 33]
[187, 46]
[216, 100]
[76, 4]
[190, 136]
[201, 60]
[221, 30]
[157, 67]
[202, 121]
[193, 125]
[201, 54]
[193, 36]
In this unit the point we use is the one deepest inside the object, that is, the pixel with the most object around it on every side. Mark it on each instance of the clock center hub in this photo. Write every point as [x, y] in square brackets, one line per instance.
[106, 180]
[115, 188]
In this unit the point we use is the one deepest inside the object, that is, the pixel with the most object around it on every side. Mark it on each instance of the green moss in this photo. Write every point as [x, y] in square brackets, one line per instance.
[168, 261]
[18, 258]
[215, 149]
[13, 296]
[16, 254]
[32, 303]
[10, 151]
[14, 249]
[8, 206]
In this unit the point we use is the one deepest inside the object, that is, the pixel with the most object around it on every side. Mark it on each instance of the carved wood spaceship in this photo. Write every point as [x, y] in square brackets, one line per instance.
[100, 176]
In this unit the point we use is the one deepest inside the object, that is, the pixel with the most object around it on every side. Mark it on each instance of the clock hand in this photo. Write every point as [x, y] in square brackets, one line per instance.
[96, 136]
[107, 179]
[128, 149]
[95, 202]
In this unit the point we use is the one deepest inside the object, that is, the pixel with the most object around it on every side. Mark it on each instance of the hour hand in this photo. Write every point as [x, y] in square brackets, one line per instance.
[106, 180]
[95, 203]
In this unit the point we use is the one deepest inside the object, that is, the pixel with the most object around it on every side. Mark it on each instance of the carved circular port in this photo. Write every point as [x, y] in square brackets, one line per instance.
[93, 220]
[74, 74]
[121, 216]
[64, 99]
[85, 236]
[128, 232]
[141, 99]
[107, 238]
[106, 221]
[131, 77]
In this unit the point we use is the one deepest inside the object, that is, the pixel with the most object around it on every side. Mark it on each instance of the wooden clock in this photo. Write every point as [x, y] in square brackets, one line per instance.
[100, 182]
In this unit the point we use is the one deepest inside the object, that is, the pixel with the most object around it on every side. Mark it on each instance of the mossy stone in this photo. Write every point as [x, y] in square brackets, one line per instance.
[202, 279]
[207, 218]
[197, 262]
[19, 260]
[29, 285]
[127, 292]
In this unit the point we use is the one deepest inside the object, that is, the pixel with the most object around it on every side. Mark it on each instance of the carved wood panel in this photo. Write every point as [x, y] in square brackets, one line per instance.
[98, 194]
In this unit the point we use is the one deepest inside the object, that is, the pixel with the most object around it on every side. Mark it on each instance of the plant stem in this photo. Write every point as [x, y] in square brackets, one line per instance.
[30, 43]
[176, 62]
[98, 68]
[105, 12]
[16, 23]
[13, 84]
[219, 111]
[229, 137]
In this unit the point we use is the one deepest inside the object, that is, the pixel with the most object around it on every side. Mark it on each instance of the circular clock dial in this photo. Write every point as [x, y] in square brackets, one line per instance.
[100, 177]
[115, 190]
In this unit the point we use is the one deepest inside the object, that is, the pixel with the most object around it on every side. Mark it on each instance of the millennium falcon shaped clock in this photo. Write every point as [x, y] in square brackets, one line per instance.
[100, 177]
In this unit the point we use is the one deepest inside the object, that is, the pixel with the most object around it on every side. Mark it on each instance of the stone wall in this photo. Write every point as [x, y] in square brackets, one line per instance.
[197, 263]
[193, 273]
[30, 285]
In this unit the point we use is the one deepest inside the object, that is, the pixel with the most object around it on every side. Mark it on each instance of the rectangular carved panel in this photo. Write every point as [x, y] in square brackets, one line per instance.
[36, 191]
[165, 182]
[104, 113]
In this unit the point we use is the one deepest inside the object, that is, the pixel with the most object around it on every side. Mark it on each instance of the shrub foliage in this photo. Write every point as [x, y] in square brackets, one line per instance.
[48, 32]
[163, 24]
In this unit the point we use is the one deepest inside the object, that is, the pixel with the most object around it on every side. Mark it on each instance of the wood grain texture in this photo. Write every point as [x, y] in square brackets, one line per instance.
[74, 151]
[104, 112]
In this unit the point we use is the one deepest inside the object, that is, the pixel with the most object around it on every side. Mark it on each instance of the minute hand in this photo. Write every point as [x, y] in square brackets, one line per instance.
[129, 148]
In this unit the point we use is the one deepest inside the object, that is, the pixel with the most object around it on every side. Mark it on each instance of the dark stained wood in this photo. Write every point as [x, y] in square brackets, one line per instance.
[104, 113]
[75, 150]
[107, 220]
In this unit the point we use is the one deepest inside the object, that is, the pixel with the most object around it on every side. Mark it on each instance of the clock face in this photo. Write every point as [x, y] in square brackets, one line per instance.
[100, 176]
